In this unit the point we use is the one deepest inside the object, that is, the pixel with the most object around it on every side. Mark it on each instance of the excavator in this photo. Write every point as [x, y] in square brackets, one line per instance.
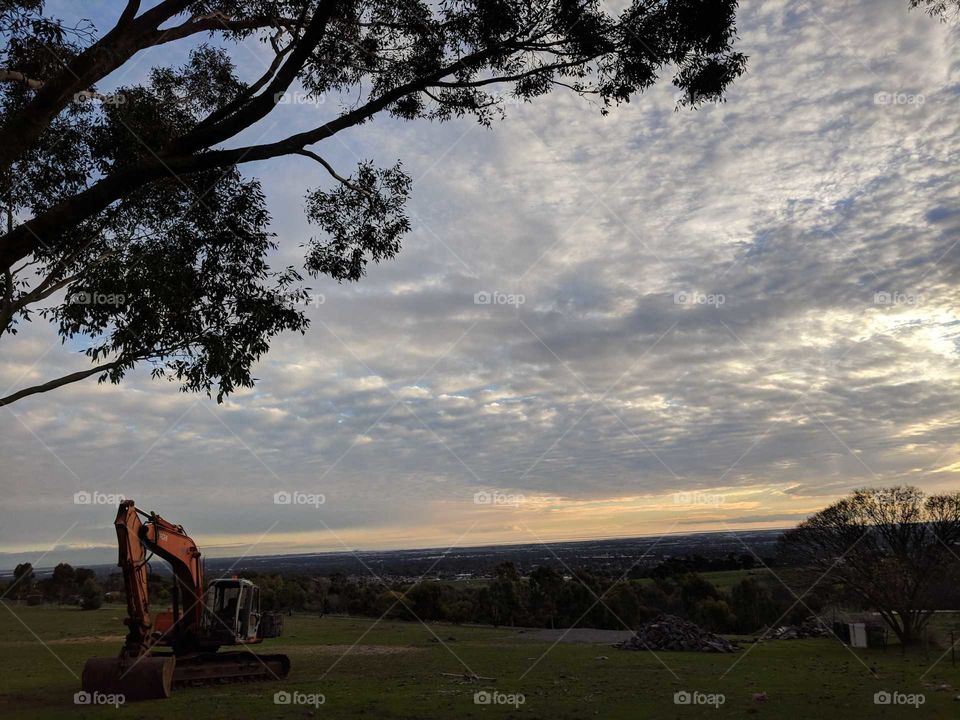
[179, 647]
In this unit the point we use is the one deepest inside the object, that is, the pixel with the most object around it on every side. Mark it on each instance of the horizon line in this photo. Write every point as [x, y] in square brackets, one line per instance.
[351, 551]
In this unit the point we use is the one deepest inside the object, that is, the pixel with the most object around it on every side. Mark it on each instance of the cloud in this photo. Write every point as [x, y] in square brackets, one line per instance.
[757, 294]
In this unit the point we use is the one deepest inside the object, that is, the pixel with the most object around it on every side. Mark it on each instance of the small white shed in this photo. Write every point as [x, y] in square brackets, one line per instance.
[858, 635]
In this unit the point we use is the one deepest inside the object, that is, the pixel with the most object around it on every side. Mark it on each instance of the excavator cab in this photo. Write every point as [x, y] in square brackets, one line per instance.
[233, 611]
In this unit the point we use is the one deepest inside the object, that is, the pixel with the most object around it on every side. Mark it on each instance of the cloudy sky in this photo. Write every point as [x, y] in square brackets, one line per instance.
[701, 320]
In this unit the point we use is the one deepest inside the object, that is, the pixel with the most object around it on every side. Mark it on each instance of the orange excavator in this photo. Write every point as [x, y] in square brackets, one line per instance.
[179, 646]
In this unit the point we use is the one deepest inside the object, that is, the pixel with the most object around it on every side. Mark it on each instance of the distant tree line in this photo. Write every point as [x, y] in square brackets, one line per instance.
[698, 563]
[544, 598]
[66, 585]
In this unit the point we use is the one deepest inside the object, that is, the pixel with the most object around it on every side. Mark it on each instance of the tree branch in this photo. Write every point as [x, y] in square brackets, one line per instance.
[48, 287]
[18, 77]
[129, 36]
[249, 92]
[333, 173]
[64, 380]
[6, 306]
[24, 239]
[217, 22]
[260, 106]
[80, 73]
[129, 12]
[513, 78]
[102, 368]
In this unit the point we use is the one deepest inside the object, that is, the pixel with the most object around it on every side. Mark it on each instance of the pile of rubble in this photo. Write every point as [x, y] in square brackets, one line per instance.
[812, 627]
[668, 632]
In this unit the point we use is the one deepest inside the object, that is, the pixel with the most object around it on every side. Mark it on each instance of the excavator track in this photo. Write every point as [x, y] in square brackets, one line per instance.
[228, 667]
[156, 676]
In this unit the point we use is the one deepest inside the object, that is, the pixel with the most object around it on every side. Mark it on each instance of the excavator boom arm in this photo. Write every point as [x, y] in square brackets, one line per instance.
[133, 564]
[135, 539]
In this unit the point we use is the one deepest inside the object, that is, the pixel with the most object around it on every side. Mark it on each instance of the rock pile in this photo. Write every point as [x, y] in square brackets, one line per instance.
[812, 627]
[668, 632]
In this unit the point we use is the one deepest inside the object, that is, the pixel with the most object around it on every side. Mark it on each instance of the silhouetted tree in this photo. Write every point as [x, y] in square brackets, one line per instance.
[22, 580]
[506, 594]
[63, 581]
[545, 584]
[622, 606]
[91, 595]
[753, 605]
[292, 596]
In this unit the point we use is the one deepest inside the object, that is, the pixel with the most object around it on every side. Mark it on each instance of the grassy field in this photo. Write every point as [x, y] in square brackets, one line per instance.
[395, 670]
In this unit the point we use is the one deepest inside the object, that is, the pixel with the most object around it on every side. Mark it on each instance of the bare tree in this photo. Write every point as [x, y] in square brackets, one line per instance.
[894, 548]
